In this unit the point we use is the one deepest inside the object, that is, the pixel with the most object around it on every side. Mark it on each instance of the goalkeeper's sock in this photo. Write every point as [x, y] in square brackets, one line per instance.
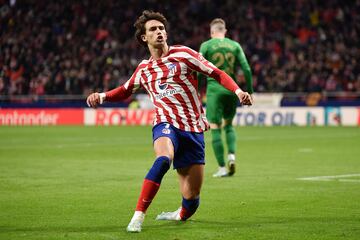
[152, 183]
[218, 146]
[230, 138]
[189, 207]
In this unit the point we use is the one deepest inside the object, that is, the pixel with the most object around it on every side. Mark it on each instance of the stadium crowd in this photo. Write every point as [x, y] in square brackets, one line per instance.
[76, 47]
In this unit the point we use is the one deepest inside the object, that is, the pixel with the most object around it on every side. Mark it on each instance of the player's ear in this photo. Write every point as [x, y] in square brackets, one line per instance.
[143, 37]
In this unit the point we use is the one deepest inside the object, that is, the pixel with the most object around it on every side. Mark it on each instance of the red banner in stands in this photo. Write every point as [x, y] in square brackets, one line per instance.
[41, 116]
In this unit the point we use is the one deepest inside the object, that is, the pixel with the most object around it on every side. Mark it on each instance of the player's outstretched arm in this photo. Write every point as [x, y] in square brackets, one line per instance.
[115, 95]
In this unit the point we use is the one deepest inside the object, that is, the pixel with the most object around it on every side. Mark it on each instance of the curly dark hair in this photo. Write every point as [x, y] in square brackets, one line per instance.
[147, 15]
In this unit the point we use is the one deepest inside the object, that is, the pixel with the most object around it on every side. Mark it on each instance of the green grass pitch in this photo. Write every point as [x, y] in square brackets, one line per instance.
[83, 183]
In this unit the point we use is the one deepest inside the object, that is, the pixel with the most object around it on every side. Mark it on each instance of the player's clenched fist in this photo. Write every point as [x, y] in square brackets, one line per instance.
[245, 98]
[94, 99]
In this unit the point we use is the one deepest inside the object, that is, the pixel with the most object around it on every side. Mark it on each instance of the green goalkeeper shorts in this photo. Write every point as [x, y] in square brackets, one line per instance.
[220, 105]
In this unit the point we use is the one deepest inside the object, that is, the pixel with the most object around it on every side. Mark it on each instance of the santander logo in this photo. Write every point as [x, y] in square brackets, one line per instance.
[30, 117]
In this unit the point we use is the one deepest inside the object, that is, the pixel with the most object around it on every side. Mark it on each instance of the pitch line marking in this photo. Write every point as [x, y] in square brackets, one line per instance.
[305, 150]
[349, 180]
[340, 178]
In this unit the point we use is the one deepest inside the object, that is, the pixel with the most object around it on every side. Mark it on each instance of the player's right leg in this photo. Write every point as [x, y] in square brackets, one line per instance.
[164, 150]
[149, 189]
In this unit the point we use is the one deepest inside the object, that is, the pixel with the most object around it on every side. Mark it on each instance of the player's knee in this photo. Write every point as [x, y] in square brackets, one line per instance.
[159, 168]
[228, 127]
[215, 126]
[163, 146]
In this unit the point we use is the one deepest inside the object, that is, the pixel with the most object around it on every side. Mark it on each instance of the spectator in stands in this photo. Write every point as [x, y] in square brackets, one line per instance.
[74, 48]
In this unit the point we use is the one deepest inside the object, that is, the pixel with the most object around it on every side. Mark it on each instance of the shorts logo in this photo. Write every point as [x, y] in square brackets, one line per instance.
[166, 131]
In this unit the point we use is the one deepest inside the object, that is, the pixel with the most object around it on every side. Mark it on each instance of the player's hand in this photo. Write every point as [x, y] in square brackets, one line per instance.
[245, 98]
[94, 99]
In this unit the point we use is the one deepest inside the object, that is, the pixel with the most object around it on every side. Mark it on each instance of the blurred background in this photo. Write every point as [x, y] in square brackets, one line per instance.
[76, 182]
[54, 53]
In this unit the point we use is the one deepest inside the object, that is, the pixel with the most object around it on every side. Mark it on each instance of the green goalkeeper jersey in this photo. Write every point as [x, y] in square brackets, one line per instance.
[226, 55]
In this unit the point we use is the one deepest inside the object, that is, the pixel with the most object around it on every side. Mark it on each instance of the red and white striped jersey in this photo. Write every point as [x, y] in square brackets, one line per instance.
[172, 85]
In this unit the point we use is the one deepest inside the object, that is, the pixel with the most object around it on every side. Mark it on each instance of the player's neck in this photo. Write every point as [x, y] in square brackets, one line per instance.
[158, 53]
[218, 35]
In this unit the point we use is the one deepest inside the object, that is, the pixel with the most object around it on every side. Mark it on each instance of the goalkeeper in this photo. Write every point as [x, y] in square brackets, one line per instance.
[221, 105]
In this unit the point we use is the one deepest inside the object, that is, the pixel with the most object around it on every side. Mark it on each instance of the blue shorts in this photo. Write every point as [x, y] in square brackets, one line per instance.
[189, 147]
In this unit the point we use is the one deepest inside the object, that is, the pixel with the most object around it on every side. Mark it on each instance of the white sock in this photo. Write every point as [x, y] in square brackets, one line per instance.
[222, 168]
[231, 157]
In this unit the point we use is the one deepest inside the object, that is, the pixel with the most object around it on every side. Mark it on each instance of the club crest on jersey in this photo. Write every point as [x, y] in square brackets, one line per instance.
[166, 131]
[172, 68]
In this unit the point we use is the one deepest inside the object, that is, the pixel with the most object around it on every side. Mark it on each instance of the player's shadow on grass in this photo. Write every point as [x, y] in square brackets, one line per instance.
[100, 229]
[190, 223]
[242, 223]
[115, 228]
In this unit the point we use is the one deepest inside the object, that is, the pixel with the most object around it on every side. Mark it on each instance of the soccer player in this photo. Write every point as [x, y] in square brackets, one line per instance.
[179, 121]
[227, 55]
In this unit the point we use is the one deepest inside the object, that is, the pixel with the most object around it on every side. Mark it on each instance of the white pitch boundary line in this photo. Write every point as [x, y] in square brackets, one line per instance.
[339, 178]
[349, 180]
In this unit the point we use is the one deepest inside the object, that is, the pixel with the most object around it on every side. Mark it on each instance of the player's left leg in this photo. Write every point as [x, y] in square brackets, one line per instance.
[230, 134]
[190, 179]
[189, 162]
